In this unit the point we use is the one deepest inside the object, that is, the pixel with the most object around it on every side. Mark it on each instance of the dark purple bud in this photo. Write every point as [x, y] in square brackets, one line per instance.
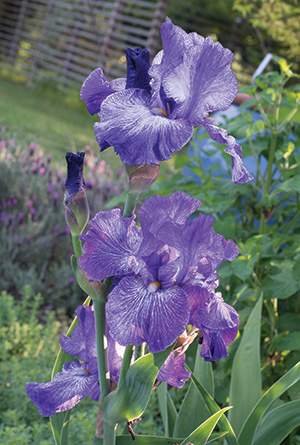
[76, 205]
[138, 63]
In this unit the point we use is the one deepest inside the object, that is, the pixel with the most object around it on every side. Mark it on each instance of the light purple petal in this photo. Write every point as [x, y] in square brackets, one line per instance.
[173, 371]
[138, 135]
[69, 386]
[135, 314]
[240, 175]
[82, 343]
[111, 246]
[203, 82]
[96, 88]
[218, 323]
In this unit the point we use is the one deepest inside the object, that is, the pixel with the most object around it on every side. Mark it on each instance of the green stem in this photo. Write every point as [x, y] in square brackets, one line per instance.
[125, 363]
[104, 379]
[130, 203]
[77, 246]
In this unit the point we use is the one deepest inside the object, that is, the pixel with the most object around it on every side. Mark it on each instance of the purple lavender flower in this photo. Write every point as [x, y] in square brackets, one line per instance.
[147, 120]
[80, 379]
[166, 274]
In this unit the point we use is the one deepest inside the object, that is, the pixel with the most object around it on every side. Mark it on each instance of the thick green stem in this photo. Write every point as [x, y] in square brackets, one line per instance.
[77, 246]
[130, 203]
[104, 379]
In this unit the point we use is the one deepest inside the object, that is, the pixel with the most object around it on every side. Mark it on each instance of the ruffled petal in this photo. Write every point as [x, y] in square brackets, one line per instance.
[138, 135]
[219, 324]
[96, 88]
[69, 386]
[173, 371]
[240, 175]
[135, 314]
[82, 343]
[203, 82]
[111, 246]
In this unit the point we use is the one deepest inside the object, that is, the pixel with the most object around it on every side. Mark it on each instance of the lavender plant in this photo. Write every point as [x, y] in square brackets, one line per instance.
[154, 285]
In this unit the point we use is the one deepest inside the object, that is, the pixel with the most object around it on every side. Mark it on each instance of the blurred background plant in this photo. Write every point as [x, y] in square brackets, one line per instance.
[34, 240]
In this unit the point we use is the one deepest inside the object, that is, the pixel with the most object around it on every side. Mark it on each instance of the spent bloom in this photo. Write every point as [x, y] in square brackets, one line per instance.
[79, 378]
[165, 274]
[153, 112]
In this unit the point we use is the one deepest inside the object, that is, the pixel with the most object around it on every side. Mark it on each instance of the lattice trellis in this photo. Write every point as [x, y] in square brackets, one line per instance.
[70, 38]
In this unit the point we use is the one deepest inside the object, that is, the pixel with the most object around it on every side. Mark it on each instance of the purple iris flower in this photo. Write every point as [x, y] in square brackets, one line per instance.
[166, 274]
[79, 379]
[153, 112]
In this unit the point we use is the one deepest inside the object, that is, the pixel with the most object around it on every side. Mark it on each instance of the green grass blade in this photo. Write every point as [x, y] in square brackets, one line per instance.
[278, 424]
[213, 407]
[276, 390]
[201, 435]
[245, 387]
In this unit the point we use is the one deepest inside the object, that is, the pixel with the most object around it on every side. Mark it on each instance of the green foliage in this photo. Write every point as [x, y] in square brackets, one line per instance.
[276, 21]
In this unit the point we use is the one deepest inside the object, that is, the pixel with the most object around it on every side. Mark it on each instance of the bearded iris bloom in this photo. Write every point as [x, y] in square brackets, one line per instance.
[166, 274]
[79, 378]
[153, 112]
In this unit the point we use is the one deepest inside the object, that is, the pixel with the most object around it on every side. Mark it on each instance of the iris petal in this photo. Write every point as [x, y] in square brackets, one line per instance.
[136, 315]
[138, 136]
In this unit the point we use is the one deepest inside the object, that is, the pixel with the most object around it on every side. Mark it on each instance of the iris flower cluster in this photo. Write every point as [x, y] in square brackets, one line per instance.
[165, 269]
[153, 112]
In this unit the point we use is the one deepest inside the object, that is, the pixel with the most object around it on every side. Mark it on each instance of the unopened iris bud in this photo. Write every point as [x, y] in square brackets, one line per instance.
[141, 176]
[76, 205]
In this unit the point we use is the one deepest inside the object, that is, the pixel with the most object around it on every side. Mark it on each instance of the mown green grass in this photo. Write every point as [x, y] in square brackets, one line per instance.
[57, 121]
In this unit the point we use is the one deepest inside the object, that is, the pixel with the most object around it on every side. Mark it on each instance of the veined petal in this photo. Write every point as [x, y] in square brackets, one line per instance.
[219, 324]
[173, 371]
[96, 88]
[111, 246]
[82, 343]
[69, 386]
[203, 82]
[136, 314]
[139, 136]
[240, 175]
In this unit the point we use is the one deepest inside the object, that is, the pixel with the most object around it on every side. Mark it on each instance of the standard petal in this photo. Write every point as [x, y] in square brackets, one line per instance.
[138, 135]
[96, 88]
[111, 246]
[69, 386]
[173, 371]
[135, 314]
[203, 82]
[240, 175]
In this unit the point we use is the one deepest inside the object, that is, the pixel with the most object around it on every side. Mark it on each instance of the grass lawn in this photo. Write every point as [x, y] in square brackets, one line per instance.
[56, 121]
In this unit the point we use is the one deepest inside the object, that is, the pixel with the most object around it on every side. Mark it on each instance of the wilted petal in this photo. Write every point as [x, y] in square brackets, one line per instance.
[69, 386]
[240, 175]
[135, 314]
[111, 246]
[173, 371]
[138, 135]
[96, 88]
